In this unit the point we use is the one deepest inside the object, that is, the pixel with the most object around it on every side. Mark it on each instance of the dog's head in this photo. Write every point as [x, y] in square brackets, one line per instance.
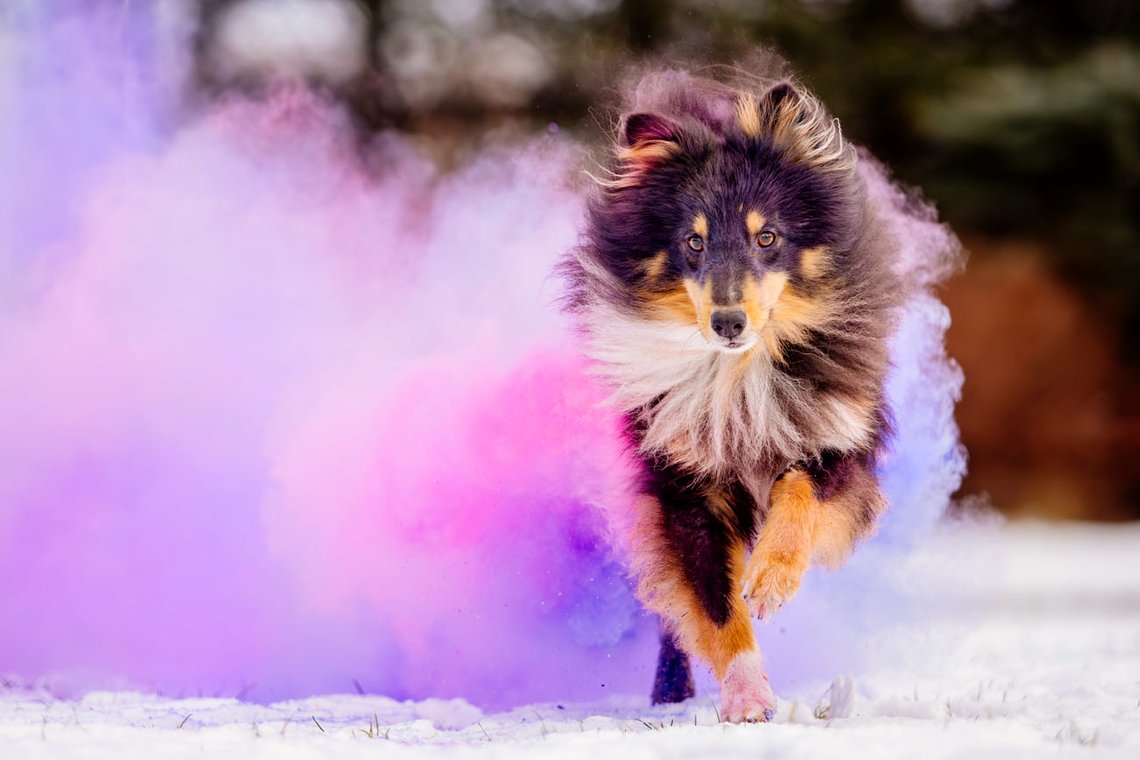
[728, 210]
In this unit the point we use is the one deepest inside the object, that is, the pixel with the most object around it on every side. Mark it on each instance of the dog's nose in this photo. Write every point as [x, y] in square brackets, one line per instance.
[729, 324]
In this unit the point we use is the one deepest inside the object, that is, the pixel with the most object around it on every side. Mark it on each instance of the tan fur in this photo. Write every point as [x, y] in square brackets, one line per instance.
[836, 532]
[772, 286]
[662, 587]
[784, 550]
[847, 518]
[800, 529]
[701, 225]
[674, 304]
[754, 222]
[793, 314]
[650, 152]
[814, 262]
[718, 502]
[701, 296]
[638, 159]
[759, 298]
[801, 129]
[748, 116]
[655, 265]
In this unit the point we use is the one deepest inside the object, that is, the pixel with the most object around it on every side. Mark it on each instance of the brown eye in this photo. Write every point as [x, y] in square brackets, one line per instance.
[766, 238]
[696, 243]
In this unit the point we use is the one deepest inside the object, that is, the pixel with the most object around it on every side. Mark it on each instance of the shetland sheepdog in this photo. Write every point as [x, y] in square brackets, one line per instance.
[737, 291]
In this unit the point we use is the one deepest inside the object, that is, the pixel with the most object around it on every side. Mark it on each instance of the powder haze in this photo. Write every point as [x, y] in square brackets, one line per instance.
[281, 415]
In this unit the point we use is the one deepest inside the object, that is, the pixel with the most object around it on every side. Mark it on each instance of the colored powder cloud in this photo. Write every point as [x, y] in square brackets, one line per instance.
[279, 412]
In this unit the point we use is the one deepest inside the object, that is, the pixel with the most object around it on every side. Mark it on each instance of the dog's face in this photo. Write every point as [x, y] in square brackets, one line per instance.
[732, 230]
[740, 231]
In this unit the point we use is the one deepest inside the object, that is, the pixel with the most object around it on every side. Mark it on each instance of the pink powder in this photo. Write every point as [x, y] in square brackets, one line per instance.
[272, 422]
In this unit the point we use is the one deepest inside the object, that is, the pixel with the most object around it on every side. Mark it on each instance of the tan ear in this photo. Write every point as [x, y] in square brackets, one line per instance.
[799, 127]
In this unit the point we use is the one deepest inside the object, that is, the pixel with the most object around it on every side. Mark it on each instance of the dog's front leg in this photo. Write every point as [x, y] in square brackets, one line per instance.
[689, 564]
[815, 512]
[784, 549]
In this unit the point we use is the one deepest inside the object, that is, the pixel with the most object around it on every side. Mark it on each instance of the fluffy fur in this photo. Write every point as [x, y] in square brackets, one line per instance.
[737, 290]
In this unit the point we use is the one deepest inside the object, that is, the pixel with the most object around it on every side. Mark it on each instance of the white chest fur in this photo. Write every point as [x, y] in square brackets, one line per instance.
[713, 412]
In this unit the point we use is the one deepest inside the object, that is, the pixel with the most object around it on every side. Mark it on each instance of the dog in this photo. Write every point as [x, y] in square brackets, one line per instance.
[736, 289]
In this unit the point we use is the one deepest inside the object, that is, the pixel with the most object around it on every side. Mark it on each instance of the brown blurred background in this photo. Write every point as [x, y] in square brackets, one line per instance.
[1020, 119]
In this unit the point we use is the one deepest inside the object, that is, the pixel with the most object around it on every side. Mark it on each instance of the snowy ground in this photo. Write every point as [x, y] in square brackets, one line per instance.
[1040, 660]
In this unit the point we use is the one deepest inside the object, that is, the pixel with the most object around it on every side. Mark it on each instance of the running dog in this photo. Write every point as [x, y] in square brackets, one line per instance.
[737, 291]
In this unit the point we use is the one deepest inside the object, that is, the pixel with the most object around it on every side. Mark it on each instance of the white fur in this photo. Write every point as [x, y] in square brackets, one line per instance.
[745, 694]
[715, 410]
[848, 425]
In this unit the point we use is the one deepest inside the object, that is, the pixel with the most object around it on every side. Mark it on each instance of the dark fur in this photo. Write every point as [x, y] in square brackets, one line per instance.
[689, 147]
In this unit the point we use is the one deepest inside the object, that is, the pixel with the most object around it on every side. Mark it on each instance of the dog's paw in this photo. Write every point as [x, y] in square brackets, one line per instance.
[770, 580]
[745, 695]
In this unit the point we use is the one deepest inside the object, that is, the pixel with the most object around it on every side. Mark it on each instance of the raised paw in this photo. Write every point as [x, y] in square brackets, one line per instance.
[770, 580]
[745, 695]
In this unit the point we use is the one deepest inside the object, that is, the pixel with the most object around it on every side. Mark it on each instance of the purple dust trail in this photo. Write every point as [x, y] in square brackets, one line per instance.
[277, 413]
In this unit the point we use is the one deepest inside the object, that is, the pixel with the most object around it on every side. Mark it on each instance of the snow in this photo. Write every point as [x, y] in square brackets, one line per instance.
[1036, 654]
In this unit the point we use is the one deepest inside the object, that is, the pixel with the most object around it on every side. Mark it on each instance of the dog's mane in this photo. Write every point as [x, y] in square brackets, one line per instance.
[812, 387]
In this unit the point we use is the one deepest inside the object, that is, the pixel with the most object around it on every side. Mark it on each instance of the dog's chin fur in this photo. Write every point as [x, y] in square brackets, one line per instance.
[708, 408]
[736, 347]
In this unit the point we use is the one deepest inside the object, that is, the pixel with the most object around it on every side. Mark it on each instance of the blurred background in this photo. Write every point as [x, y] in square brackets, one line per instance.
[1020, 119]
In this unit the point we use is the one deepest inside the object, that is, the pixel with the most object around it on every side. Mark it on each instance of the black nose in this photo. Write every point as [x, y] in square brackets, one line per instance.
[729, 324]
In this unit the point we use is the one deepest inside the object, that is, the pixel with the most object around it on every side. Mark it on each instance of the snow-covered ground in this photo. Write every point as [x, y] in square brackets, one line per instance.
[1039, 659]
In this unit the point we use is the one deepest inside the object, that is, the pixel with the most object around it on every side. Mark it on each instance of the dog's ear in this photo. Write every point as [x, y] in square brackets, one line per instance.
[798, 126]
[782, 111]
[646, 141]
[774, 116]
[783, 95]
[648, 127]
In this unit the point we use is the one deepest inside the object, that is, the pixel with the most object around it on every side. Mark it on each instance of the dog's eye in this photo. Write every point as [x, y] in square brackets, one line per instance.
[765, 238]
[696, 243]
